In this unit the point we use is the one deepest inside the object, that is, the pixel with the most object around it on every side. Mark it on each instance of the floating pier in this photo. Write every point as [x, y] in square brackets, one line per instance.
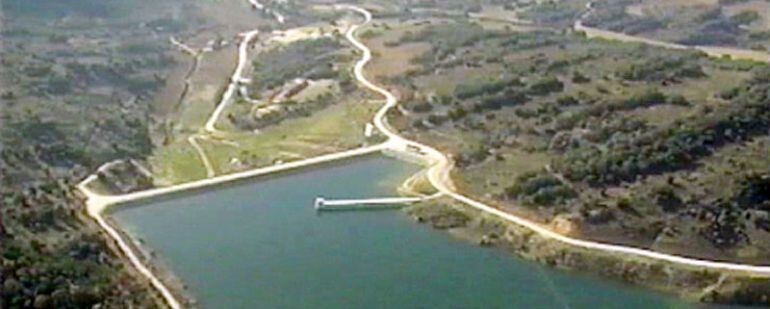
[321, 203]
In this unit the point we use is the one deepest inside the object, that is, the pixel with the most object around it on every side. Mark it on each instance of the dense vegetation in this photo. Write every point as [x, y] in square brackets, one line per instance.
[446, 39]
[308, 59]
[52, 257]
[78, 78]
[653, 151]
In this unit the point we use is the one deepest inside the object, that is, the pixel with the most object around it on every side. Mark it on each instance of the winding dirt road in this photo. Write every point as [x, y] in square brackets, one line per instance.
[439, 176]
[235, 80]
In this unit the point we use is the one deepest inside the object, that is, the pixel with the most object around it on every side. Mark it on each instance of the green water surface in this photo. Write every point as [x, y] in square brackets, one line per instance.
[262, 245]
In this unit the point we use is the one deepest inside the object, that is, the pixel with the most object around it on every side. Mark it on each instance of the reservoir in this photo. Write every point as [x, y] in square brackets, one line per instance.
[261, 244]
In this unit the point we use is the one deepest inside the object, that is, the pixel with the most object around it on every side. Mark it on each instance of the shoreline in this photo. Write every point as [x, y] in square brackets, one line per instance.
[690, 284]
[138, 203]
[100, 202]
[161, 268]
[163, 271]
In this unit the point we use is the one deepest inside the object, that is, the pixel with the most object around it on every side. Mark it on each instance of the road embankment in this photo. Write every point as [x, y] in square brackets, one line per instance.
[690, 283]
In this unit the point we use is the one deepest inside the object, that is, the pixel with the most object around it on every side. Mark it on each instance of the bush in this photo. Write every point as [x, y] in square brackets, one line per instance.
[745, 17]
[678, 100]
[755, 191]
[422, 107]
[667, 199]
[546, 86]
[579, 78]
[477, 88]
[645, 99]
[507, 99]
[567, 101]
[457, 113]
[540, 189]
[653, 69]
[690, 71]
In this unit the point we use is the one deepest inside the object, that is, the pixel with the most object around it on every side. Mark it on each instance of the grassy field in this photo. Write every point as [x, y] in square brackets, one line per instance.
[490, 176]
[397, 62]
[446, 83]
[335, 128]
[206, 87]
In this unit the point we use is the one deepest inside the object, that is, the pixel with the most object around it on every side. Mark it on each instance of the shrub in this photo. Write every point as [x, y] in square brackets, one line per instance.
[546, 86]
[540, 189]
[579, 78]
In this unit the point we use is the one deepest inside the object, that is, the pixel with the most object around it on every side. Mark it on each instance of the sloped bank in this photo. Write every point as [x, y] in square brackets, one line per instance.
[689, 283]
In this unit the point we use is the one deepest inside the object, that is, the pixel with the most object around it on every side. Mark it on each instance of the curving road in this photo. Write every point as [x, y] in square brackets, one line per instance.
[183, 47]
[232, 88]
[259, 6]
[197, 55]
[193, 140]
[235, 80]
[439, 176]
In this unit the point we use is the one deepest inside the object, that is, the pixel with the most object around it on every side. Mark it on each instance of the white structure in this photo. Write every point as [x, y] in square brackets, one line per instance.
[321, 203]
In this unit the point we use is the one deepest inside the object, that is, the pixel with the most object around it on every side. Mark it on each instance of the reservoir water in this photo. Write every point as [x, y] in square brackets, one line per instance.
[262, 245]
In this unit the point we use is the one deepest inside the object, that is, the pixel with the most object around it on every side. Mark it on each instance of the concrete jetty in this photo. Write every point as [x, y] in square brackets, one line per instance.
[322, 203]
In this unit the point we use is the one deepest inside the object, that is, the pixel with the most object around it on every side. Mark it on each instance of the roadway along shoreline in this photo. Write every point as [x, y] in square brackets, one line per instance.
[438, 175]
[438, 172]
[96, 204]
